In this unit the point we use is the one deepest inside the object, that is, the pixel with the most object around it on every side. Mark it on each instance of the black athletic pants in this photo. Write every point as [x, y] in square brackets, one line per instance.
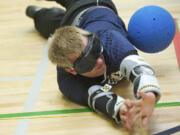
[47, 20]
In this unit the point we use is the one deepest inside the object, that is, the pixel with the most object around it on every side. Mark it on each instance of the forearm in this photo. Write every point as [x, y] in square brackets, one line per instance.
[82, 90]
[103, 101]
[140, 73]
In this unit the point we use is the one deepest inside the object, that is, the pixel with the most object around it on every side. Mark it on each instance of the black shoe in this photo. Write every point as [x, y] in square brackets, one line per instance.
[31, 10]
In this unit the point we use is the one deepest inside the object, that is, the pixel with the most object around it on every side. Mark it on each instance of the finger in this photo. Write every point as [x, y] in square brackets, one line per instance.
[138, 103]
[128, 126]
[131, 111]
[127, 122]
[128, 103]
[132, 102]
[137, 110]
[145, 121]
[137, 116]
[142, 94]
[123, 110]
[131, 121]
[124, 119]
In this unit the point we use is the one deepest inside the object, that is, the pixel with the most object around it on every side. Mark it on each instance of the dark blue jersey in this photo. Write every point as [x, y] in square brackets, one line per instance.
[113, 35]
[112, 32]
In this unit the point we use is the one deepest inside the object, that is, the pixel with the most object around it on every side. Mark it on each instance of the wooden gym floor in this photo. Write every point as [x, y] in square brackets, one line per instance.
[28, 79]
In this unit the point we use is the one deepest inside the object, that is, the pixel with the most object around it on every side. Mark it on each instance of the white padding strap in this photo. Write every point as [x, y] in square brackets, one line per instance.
[91, 90]
[119, 102]
[148, 83]
[137, 70]
[129, 63]
[113, 102]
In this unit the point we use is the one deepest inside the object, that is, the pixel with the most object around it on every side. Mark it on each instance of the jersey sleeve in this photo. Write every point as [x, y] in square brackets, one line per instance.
[116, 47]
[75, 87]
[86, 91]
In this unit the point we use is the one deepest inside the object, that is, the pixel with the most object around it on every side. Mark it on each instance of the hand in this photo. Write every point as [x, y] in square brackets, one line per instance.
[129, 113]
[146, 103]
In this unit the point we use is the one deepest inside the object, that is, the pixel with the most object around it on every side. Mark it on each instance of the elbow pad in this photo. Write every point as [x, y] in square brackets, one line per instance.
[140, 73]
[103, 101]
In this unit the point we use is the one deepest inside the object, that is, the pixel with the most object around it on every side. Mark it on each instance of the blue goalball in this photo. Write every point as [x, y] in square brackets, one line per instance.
[151, 29]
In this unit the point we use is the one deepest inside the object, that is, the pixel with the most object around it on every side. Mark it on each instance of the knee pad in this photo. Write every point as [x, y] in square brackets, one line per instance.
[140, 73]
[101, 100]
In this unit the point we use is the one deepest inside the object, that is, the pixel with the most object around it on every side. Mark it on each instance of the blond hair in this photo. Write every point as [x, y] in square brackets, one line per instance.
[65, 42]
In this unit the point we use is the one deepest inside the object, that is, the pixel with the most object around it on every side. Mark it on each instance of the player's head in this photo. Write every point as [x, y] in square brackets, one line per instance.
[77, 51]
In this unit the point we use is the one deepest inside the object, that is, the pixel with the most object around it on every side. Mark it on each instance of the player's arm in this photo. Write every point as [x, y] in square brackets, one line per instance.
[101, 100]
[141, 74]
[87, 91]
[146, 87]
